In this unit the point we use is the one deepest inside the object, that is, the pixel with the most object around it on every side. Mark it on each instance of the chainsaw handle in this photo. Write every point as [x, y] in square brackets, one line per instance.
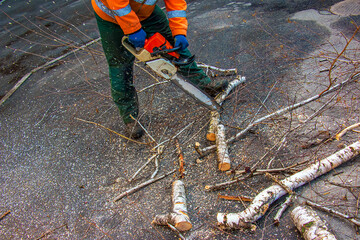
[125, 42]
[141, 54]
[166, 50]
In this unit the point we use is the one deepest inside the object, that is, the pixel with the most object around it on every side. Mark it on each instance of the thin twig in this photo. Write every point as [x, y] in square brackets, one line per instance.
[338, 56]
[152, 85]
[142, 167]
[171, 138]
[344, 185]
[99, 125]
[138, 122]
[225, 184]
[177, 231]
[4, 215]
[332, 211]
[263, 171]
[44, 114]
[26, 76]
[144, 184]
[50, 231]
[340, 134]
[156, 161]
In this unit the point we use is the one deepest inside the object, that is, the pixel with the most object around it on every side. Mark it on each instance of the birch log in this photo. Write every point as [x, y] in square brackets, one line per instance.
[215, 115]
[179, 217]
[222, 149]
[310, 224]
[263, 200]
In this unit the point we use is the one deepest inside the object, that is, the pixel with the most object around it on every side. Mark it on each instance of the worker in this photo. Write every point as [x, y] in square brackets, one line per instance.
[139, 19]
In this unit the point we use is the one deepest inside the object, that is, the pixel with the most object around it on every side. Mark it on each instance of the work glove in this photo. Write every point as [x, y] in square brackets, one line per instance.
[181, 41]
[137, 39]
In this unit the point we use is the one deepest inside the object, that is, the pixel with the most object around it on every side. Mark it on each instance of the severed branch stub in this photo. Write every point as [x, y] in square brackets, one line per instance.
[222, 149]
[262, 201]
[181, 159]
[179, 217]
[310, 224]
[282, 209]
[215, 115]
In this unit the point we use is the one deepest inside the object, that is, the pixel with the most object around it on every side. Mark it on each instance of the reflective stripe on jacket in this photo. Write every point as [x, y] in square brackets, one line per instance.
[129, 13]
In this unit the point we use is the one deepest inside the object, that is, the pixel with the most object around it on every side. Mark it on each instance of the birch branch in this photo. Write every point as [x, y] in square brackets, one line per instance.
[215, 115]
[178, 217]
[142, 185]
[310, 224]
[281, 112]
[334, 212]
[222, 149]
[264, 199]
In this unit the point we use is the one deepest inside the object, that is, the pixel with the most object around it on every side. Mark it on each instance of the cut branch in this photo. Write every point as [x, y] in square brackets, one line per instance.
[310, 224]
[178, 217]
[222, 149]
[215, 115]
[263, 200]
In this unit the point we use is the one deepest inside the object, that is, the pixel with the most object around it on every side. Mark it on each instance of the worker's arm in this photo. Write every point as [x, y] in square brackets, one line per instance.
[176, 10]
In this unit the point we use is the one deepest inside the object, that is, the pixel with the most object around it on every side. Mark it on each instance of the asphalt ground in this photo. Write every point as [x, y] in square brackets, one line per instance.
[60, 170]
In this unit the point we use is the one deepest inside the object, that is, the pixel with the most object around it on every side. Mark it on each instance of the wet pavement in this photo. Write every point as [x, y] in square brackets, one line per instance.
[60, 170]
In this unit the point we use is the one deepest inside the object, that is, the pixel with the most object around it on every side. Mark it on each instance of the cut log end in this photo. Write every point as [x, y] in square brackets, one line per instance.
[179, 221]
[211, 137]
[224, 166]
[183, 226]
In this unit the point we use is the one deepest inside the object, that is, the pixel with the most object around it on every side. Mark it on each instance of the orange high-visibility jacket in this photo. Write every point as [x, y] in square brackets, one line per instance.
[129, 13]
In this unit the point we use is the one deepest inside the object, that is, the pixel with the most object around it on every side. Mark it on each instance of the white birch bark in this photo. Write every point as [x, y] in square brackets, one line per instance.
[263, 200]
[222, 149]
[215, 115]
[310, 224]
[179, 217]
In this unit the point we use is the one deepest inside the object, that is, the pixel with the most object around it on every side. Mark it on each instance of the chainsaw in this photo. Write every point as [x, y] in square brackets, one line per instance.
[163, 59]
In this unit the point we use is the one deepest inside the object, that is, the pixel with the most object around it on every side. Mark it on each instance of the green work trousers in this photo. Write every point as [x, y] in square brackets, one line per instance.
[121, 61]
